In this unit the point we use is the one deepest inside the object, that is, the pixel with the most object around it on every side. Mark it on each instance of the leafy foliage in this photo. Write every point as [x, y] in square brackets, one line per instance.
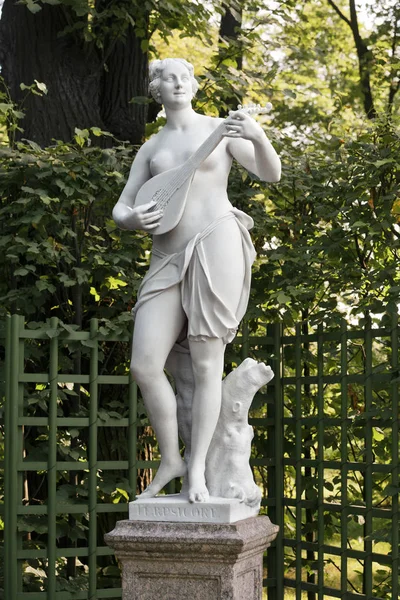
[328, 234]
[63, 255]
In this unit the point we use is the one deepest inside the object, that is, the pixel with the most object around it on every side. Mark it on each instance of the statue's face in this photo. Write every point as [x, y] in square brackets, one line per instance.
[175, 85]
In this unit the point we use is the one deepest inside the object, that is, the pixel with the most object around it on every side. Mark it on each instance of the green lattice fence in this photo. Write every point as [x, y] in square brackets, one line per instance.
[326, 453]
[335, 485]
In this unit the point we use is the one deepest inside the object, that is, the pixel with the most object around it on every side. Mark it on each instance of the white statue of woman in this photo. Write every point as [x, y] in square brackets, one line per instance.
[198, 282]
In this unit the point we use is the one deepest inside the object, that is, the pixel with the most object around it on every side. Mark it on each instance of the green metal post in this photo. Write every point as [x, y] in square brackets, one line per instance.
[245, 340]
[343, 456]
[395, 453]
[13, 449]
[93, 410]
[279, 475]
[275, 471]
[52, 463]
[132, 436]
[298, 448]
[369, 459]
[11, 457]
[19, 433]
[320, 466]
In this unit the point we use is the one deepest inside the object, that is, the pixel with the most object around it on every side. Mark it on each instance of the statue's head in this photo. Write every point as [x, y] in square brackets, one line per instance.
[156, 68]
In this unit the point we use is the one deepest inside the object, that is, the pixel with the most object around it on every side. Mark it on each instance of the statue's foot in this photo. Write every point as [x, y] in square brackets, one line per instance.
[165, 474]
[198, 491]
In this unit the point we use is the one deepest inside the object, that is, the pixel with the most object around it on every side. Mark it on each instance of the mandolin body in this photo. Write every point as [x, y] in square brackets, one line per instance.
[158, 188]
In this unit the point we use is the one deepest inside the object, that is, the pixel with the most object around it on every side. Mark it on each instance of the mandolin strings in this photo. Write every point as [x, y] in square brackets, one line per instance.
[164, 195]
[187, 169]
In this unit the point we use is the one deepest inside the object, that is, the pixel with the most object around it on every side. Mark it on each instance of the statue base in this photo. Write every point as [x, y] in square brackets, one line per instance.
[176, 508]
[200, 561]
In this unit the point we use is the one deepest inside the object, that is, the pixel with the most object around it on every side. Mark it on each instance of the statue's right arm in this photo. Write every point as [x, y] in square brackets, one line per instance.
[125, 214]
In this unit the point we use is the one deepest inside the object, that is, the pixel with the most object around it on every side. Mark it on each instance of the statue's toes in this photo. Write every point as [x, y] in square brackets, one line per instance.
[199, 496]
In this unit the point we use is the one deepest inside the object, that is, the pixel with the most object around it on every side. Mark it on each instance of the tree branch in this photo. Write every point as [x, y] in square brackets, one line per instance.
[363, 54]
[360, 254]
[394, 87]
[339, 12]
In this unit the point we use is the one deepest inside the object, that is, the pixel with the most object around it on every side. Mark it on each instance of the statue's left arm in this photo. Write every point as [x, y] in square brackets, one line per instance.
[249, 145]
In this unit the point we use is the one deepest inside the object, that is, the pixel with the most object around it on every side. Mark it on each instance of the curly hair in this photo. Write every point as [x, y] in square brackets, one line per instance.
[156, 67]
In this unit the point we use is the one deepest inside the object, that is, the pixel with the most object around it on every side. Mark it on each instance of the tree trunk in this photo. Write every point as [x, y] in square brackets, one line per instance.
[364, 56]
[32, 49]
[82, 92]
[229, 30]
[364, 63]
[125, 77]
[230, 26]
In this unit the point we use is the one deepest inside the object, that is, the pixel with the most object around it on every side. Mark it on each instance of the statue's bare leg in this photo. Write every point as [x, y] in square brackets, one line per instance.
[157, 325]
[207, 363]
[223, 249]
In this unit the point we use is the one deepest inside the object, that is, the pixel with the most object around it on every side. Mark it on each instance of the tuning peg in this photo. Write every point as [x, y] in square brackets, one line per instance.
[251, 109]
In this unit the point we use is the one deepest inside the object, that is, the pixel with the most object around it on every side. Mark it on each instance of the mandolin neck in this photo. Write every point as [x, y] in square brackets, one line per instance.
[193, 163]
[206, 148]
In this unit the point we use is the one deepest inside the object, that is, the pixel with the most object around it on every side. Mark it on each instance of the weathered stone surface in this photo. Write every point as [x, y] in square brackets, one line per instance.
[200, 561]
[177, 508]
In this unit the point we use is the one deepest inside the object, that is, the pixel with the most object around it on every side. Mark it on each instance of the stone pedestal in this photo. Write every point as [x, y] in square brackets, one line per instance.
[200, 561]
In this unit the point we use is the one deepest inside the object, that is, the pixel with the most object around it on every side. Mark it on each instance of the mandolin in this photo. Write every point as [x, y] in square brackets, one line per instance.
[169, 190]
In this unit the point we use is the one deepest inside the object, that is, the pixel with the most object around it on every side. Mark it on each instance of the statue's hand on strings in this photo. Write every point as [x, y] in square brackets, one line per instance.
[241, 125]
[142, 217]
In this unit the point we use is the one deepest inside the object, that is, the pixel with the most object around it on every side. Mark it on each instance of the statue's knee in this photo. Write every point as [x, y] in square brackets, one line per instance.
[203, 369]
[142, 370]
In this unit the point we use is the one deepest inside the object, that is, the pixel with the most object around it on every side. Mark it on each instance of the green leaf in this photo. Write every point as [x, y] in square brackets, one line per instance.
[289, 93]
[94, 293]
[67, 280]
[43, 284]
[96, 131]
[33, 7]
[5, 108]
[52, 333]
[82, 132]
[22, 271]
[378, 434]
[385, 161]
[123, 493]
[90, 343]
[41, 86]
[283, 298]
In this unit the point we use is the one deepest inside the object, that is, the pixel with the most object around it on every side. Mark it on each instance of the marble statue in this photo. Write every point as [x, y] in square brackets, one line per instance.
[197, 287]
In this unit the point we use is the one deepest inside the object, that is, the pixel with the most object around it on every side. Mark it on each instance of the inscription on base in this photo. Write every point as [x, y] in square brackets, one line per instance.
[177, 512]
[176, 508]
